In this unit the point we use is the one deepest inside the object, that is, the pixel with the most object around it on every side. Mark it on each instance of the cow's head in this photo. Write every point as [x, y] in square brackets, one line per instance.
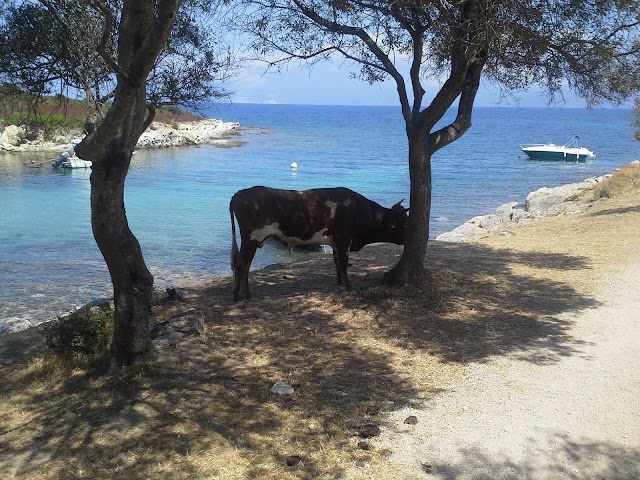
[397, 224]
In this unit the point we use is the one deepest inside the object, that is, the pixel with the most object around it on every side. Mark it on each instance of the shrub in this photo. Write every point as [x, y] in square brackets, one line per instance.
[81, 333]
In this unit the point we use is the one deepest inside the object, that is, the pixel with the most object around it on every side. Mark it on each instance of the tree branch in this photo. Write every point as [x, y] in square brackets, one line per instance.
[373, 47]
[101, 48]
[462, 123]
[150, 117]
[146, 54]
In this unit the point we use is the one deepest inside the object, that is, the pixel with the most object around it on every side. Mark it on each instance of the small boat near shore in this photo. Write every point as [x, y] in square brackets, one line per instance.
[570, 151]
[66, 160]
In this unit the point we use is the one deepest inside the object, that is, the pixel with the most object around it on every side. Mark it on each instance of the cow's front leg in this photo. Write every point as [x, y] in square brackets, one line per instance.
[341, 259]
[241, 272]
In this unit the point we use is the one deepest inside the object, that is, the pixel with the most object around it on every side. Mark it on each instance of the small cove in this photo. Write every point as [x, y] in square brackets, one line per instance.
[177, 199]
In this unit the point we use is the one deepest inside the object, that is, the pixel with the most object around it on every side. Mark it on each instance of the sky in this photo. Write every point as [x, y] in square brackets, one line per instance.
[327, 84]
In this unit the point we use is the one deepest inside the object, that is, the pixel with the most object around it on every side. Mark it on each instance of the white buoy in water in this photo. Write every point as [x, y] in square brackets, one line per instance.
[294, 165]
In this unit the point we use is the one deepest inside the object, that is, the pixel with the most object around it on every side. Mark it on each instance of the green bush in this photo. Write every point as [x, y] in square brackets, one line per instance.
[79, 334]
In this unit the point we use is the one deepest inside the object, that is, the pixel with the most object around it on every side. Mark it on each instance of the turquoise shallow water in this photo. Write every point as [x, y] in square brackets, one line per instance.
[177, 199]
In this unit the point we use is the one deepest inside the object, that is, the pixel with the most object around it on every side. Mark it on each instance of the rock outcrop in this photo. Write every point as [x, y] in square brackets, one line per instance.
[204, 132]
[185, 322]
[544, 202]
[12, 136]
[158, 135]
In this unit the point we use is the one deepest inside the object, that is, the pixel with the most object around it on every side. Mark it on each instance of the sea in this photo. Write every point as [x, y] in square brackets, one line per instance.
[177, 199]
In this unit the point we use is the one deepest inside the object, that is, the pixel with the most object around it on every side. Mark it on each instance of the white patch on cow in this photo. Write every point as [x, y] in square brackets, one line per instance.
[332, 206]
[318, 238]
[273, 231]
[268, 230]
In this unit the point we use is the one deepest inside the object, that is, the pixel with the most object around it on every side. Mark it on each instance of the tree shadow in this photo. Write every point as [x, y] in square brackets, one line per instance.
[616, 211]
[204, 408]
[488, 302]
[570, 460]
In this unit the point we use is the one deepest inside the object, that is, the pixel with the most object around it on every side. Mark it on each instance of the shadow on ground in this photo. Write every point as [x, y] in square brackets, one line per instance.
[203, 409]
[572, 461]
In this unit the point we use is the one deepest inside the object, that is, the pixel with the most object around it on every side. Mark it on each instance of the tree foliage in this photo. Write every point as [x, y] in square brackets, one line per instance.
[591, 46]
[62, 45]
[144, 53]
[45, 50]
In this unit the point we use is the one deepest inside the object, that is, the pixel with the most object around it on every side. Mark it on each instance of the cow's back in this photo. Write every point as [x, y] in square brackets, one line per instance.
[300, 214]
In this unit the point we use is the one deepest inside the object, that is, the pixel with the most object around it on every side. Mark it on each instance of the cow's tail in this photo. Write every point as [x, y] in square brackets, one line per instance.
[234, 242]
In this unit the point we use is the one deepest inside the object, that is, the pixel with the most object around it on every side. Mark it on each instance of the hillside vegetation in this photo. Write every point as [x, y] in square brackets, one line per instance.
[57, 114]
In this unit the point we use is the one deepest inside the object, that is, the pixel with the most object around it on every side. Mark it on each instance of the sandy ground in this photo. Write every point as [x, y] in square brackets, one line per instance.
[511, 417]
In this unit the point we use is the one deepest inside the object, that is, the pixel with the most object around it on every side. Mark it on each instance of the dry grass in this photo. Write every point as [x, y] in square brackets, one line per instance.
[209, 413]
[625, 180]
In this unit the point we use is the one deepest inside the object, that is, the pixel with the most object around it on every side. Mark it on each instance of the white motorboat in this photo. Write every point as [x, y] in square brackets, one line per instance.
[550, 151]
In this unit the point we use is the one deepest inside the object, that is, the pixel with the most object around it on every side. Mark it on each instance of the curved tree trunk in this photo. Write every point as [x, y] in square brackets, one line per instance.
[410, 268]
[145, 26]
[132, 281]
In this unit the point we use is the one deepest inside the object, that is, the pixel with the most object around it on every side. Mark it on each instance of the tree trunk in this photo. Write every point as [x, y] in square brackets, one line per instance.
[144, 28]
[132, 281]
[410, 268]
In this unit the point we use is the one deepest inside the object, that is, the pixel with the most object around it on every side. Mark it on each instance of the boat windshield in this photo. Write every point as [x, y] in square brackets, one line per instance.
[573, 143]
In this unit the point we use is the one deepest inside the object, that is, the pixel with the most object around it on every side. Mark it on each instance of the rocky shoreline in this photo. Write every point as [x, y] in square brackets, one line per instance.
[544, 202]
[158, 135]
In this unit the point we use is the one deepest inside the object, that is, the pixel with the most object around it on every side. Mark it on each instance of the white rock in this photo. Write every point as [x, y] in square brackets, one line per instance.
[12, 135]
[144, 395]
[160, 135]
[170, 339]
[282, 388]
[547, 201]
[13, 325]
[160, 342]
[188, 321]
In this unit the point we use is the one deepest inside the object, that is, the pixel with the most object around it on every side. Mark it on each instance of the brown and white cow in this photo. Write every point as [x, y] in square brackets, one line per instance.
[338, 217]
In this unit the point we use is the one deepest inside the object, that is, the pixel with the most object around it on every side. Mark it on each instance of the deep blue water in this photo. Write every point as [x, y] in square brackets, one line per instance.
[177, 199]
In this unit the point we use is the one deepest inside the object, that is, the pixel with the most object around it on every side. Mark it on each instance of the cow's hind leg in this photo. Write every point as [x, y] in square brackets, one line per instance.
[241, 270]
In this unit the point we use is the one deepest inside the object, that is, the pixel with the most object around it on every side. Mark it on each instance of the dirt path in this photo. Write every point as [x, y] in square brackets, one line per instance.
[521, 417]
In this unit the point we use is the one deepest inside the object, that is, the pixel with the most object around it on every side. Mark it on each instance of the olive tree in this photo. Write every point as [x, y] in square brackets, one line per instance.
[142, 29]
[590, 47]
[154, 52]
